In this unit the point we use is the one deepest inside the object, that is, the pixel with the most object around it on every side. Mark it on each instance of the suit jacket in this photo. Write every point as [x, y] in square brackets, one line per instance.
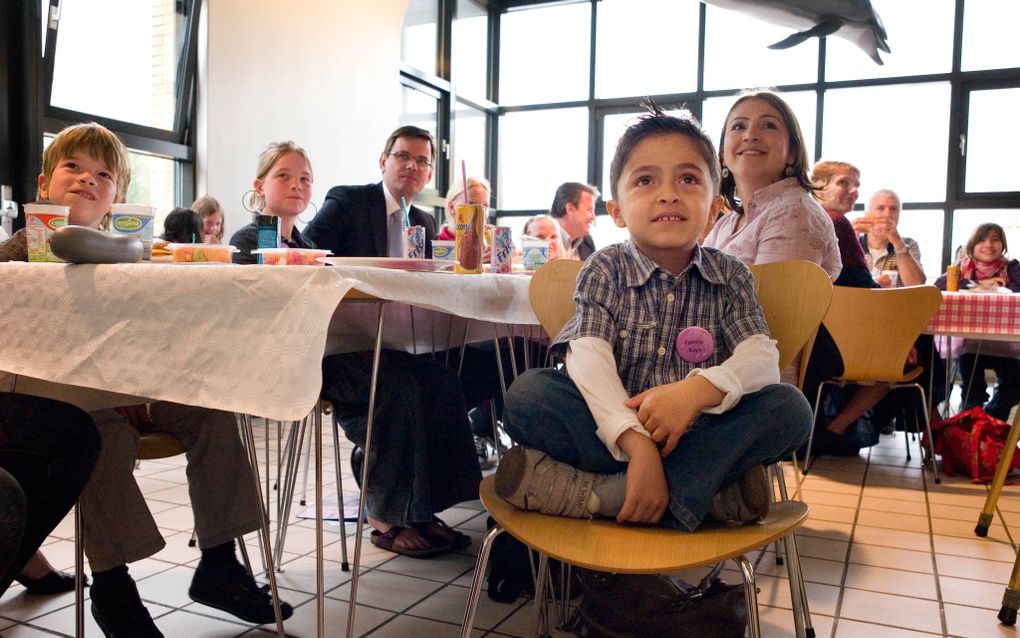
[352, 222]
[584, 249]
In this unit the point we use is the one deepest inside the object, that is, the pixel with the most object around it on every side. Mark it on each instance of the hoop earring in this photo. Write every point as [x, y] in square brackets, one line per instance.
[244, 202]
[789, 170]
[312, 204]
[725, 172]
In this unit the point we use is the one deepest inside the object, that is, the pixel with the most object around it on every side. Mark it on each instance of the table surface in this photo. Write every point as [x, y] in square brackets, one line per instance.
[989, 316]
[239, 338]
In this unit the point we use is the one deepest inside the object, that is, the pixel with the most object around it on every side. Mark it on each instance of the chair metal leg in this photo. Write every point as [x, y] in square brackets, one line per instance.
[476, 581]
[245, 559]
[931, 441]
[811, 436]
[376, 357]
[345, 564]
[79, 572]
[751, 595]
[295, 441]
[304, 478]
[264, 518]
[541, 613]
[794, 570]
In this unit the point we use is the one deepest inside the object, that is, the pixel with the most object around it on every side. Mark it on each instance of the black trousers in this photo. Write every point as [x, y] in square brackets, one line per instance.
[49, 449]
[423, 457]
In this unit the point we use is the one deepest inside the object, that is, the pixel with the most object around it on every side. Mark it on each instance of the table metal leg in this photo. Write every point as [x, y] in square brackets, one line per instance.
[320, 586]
[376, 357]
[266, 553]
[985, 519]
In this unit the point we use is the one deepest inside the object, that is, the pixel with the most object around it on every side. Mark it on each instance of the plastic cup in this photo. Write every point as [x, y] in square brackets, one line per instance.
[443, 249]
[40, 222]
[134, 220]
[536, 253]
[894, 277]
[414, 244]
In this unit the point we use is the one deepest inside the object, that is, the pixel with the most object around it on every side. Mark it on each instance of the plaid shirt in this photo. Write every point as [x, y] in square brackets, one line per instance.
[627, 300]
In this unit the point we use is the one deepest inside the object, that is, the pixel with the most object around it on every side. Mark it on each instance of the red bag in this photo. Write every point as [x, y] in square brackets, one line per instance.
[971, 444]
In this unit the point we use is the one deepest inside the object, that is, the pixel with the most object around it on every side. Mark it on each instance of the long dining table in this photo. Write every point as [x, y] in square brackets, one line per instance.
[107, 335]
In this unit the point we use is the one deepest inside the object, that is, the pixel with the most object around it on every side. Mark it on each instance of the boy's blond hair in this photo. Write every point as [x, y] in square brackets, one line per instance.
[97, 141]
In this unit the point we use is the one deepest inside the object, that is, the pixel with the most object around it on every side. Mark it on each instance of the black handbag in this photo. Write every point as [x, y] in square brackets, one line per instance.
[642, 606]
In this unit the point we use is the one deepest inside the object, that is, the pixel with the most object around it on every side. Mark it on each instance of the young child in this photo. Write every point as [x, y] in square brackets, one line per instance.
[670, 402]
[985, 265]
[212, 218]
[183, 226]
[282, 188]
[545, 227]
[86, 167]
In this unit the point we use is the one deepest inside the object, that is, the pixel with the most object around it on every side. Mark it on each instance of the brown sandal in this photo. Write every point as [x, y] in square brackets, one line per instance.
[453, 538]
[388, 541]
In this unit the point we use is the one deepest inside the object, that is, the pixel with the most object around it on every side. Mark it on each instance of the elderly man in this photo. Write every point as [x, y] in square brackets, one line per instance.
[884, 248]
[423, 457]
[573, 208]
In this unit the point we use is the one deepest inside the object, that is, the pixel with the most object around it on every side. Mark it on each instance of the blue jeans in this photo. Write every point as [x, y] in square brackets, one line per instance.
[545, 410]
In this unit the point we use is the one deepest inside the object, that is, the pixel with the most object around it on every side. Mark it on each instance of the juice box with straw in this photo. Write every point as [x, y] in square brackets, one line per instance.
[502, 250]
[468, 248]
[40, 222]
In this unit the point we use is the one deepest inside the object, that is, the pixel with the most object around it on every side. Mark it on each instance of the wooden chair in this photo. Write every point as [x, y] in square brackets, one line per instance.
[794, 295]
[607, 546]
[874, 330]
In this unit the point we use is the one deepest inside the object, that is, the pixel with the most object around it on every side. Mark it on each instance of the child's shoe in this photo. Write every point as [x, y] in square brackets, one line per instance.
[746, 500]
[532, 480]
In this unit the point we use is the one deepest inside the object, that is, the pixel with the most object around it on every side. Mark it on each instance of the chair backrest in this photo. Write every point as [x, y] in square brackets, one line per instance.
[552, 293]
[874, 329]
[794, 295]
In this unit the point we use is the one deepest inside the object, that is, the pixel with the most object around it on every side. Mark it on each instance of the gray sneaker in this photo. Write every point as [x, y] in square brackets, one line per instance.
[747, 500]
[532, 480]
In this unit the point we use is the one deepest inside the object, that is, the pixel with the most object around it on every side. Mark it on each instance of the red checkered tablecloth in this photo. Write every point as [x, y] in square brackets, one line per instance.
[977, 315]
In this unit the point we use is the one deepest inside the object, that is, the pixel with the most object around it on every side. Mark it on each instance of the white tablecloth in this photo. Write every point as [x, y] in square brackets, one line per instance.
[441, 304]
[239, 338]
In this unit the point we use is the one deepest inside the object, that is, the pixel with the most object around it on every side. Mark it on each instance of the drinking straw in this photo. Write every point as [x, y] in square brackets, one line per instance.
[407, 218]
[193, 239]
[463, 172]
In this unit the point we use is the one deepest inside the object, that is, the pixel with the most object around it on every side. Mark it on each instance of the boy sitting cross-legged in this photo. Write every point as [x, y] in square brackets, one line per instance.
[670, 402]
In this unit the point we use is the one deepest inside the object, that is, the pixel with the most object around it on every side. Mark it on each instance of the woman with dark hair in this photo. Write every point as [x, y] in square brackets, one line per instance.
[765, 183]
[182, 226]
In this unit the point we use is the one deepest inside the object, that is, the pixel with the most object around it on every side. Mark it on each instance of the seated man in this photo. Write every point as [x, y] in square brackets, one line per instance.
[423, 459]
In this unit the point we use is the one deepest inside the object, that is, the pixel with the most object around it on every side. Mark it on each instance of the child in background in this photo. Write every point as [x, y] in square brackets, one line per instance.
[985, 265]
[212, 219]
[670, 402]
[282, 188]
[182, 226]
[86, 168]
[545, 227]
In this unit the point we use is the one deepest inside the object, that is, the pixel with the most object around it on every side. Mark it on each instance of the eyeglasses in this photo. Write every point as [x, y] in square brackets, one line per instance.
[406, 158]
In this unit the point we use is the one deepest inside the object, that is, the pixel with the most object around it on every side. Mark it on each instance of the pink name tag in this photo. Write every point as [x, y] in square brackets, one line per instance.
[694, 344]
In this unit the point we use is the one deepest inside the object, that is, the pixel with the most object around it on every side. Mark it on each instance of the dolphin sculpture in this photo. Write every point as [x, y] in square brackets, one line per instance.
[853, 20]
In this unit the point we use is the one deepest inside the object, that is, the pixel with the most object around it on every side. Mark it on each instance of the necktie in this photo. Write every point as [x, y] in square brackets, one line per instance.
[395, 235]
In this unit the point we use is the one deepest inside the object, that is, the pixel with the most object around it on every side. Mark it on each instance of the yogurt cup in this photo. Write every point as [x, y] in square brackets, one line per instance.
[443, 249]
[134, 220]
[40, 222]
[536, 253]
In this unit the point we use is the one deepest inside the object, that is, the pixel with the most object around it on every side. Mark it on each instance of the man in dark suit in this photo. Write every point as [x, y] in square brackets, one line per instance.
[367, 221]
[573, 208]
[423, 455]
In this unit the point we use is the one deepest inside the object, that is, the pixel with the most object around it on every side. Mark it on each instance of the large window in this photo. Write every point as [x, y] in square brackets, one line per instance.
[146, 99]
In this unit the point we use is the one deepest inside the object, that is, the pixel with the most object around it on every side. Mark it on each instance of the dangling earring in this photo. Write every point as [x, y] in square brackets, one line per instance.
[725, 172]
[245, 196]
[789, 170]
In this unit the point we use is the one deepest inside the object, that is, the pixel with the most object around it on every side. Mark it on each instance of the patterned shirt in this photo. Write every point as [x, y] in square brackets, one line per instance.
[639, 308]
[887, 261]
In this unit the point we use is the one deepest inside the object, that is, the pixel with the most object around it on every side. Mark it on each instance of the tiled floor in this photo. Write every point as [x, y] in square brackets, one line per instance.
[886, 553]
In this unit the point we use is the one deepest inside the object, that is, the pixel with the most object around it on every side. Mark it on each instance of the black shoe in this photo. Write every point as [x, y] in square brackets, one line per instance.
[232, 589]
[121, 614]
[486, 451]
[55, 582]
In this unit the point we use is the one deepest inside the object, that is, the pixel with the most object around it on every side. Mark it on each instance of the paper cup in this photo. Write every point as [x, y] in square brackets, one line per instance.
[894, 277]
[414, 244]
[40, 222]
[536, 253]
[134, 220]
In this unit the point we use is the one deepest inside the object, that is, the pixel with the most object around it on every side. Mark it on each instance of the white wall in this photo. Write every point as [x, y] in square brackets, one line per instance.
[323, 73]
